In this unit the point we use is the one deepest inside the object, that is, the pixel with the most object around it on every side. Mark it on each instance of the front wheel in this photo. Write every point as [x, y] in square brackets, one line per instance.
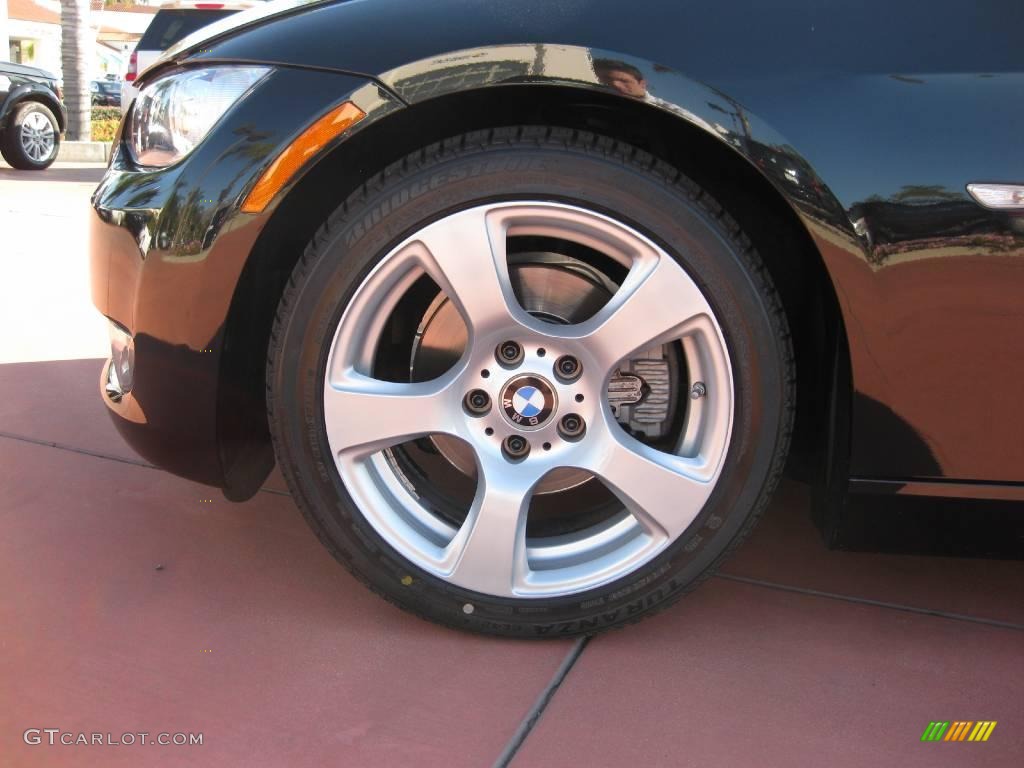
[530, 382]
[32, 138]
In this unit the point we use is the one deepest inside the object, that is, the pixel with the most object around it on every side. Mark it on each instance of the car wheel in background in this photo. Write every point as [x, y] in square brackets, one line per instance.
[32, 138]
[530, 382]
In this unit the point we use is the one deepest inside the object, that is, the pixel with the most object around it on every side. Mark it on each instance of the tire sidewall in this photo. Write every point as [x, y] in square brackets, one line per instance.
[670, 212]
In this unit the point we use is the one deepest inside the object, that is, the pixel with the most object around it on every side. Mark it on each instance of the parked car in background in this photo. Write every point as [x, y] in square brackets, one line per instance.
[171, 23]
[105, 93]
[32, 116]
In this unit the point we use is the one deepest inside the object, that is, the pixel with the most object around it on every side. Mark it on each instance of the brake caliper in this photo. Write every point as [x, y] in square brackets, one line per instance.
[639, 393]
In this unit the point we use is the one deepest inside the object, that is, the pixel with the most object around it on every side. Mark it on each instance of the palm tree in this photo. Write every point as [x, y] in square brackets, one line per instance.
[75, 58]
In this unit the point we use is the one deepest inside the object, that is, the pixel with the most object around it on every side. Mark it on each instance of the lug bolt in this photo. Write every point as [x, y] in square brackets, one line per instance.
[572, 426]
[698, 390]
[509, 353]
[477, 402]
[568, 368]
[515, 447]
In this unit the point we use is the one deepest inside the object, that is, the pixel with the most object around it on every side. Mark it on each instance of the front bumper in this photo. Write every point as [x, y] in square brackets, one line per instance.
[167, 248]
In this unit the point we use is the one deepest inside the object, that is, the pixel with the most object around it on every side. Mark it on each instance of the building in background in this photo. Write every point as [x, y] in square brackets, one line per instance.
[33, 32]
[4, 39]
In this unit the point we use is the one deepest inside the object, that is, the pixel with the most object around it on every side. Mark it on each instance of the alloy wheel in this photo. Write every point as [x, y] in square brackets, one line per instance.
[524, 406]
[37, 136]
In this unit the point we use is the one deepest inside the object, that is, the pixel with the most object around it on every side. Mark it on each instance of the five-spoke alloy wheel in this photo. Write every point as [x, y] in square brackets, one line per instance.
[555, 425]
[546, 412]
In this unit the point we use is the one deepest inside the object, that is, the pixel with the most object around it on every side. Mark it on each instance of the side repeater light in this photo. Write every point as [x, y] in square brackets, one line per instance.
[999, 197]
[295, 155]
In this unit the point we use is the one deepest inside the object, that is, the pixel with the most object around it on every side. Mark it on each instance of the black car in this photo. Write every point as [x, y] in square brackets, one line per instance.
[32, 116]
[533, 303]
[105, 93]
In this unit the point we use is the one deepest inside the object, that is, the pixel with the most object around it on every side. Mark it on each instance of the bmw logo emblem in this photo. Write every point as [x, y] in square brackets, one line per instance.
[527, 402]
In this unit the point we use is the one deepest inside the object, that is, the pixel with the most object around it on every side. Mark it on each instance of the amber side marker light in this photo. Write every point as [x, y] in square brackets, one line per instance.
[295, 155]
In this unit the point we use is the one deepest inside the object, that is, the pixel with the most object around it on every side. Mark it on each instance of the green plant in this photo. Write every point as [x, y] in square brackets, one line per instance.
[106, 113]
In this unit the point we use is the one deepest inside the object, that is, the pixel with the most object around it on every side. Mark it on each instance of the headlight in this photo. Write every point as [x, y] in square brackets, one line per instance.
[172, 115]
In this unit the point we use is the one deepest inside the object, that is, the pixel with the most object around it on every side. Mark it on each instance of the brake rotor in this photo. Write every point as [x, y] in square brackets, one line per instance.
[554, 288]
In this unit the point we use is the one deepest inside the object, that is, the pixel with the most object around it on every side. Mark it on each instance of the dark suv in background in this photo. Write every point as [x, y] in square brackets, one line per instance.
[32, 116]
[105, 93]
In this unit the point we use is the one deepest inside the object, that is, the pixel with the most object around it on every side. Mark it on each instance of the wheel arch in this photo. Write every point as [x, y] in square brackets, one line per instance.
[37, 93]
[732, 176]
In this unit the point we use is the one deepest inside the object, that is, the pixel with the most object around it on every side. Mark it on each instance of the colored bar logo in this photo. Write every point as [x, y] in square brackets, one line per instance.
[958, 730]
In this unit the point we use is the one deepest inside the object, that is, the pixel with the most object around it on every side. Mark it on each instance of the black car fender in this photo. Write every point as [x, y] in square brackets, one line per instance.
[868, 132]
[450, 75]
[32, 92]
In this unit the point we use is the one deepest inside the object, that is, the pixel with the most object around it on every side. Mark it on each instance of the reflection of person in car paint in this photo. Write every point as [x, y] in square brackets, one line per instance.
[630, 81]
[623, 77]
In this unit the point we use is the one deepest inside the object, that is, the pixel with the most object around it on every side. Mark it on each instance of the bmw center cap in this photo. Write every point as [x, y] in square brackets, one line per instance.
[528, 402]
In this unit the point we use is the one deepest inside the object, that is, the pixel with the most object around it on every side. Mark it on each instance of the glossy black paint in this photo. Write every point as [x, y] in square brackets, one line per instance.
[19, 83]
[867, 119]
[167, 249]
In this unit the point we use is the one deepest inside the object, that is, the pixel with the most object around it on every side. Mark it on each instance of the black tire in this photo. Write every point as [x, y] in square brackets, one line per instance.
[10, 145]
[558, 165]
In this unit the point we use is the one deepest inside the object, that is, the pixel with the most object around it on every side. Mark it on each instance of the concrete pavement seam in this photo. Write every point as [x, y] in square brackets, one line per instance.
[868, 601]
[107, 456]
[62, 447]
[534, 714]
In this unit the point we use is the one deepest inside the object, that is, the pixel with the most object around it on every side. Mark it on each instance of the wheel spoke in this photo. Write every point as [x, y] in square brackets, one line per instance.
[465, 255]
[653, 306]
[663, 491]
[489, 551]
[369, 414]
